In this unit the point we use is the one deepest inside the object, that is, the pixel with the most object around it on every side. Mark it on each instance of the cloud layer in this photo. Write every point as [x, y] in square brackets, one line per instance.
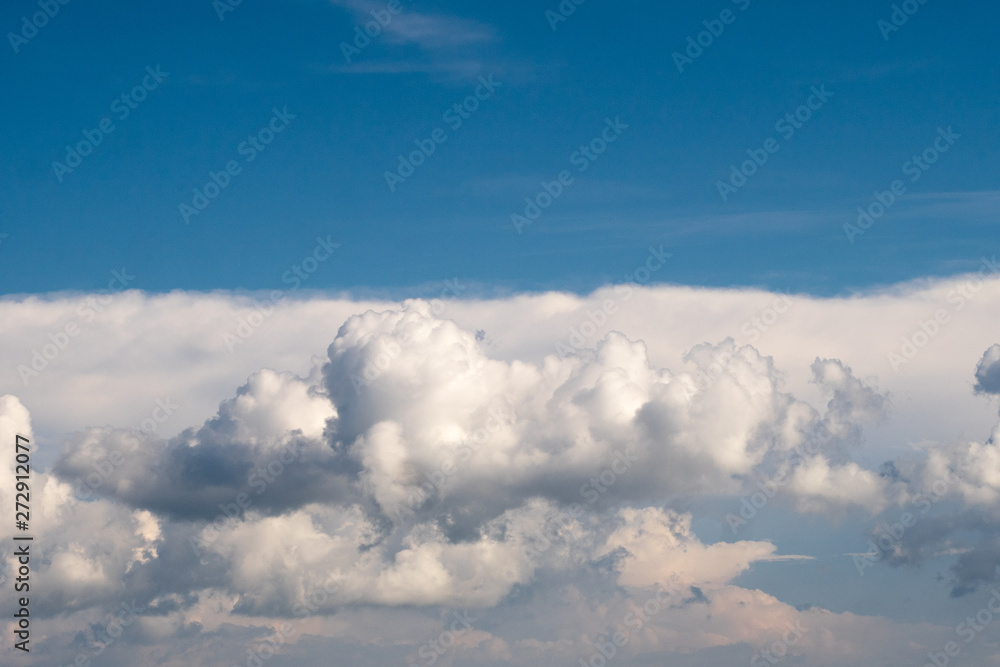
[421, 469]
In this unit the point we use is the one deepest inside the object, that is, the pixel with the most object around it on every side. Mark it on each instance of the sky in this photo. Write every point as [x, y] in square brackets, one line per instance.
[225, 71]
[505, 334]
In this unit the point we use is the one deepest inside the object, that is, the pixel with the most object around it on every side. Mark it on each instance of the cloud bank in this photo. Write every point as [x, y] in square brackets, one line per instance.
[363, 500]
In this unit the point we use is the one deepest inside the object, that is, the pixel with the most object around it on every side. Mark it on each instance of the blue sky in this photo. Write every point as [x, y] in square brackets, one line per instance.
[656, 184]
[572, 190]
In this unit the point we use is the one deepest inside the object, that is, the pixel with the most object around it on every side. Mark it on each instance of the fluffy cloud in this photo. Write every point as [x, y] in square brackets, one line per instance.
[420, 466]
[658, 546]
[411, 468]
[275, 420]
[953, 490]
[90, 548]
[418, 397]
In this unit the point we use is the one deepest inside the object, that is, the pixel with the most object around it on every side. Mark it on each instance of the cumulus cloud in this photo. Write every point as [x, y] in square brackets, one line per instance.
[853, 402]
[953, 490]
[659, 545]
[418, 398]
[822, 487]
[274, 420]
[416, 468]
[91, 548]
[411, 468]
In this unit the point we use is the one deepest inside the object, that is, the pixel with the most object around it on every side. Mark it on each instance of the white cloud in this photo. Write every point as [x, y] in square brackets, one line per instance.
[659, 545]
[489, 446]
[822, 487]
[428, 31]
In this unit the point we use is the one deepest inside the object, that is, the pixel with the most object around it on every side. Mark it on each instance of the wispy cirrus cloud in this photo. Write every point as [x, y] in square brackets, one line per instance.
[427, 31]
[436, 44]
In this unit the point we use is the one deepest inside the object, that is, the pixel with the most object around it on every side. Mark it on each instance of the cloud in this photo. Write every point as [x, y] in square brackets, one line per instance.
[417, 468]
[427, 31]
[441, 45]
[447, 47]
[988, 371]
[297, 484]
[413, 469]
[659, 545]
[853, 401]
[821, 487]
[148, 347]
[954, 491]
[191, 475]
[90, 547]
